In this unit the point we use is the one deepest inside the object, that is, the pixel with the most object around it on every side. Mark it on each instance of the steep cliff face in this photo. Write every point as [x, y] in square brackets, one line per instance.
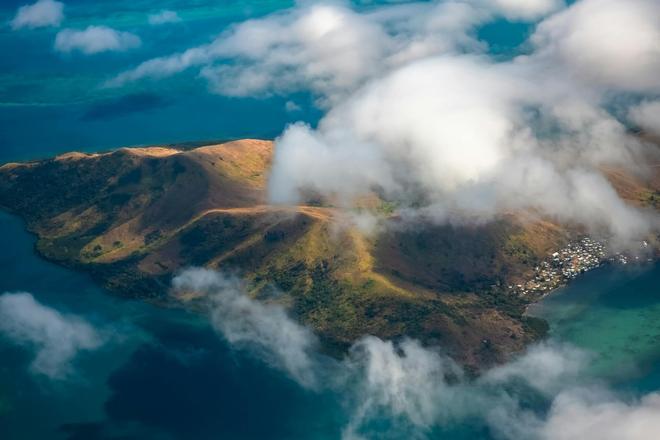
[134, 217]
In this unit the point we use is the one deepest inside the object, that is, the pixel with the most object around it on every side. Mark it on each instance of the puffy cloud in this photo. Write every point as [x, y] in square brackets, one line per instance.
[418, 111]
[466, 137]
[325, 47]
[330, 49]
[163, 17]
[429, 107]
[95, 39]
[40, 14]
[253, 324]
[330, 46]
[614, 43]
[527, 9]
[580, 414]
[56, 337]
[647, 116]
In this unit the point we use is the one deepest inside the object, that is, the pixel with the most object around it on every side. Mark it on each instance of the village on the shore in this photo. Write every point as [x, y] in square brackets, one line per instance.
[567, 263]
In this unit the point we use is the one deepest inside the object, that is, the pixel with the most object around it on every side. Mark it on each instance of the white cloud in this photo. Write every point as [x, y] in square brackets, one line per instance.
[548, 368]
[527, 9]
[403, 381]
[409, 390]
[246, 322]
[163, 17]
[325, 47]
[417, 389]
[614, 43]
[163, 66]
[647, 116]
[95, 39]
[413, 132]
[56, 337]
[40, 14]
[581, 414]
[330, 49]
[328, 45]
[418, 110]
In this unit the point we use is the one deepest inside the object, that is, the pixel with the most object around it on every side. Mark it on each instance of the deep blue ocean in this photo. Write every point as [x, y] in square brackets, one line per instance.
[166, 374]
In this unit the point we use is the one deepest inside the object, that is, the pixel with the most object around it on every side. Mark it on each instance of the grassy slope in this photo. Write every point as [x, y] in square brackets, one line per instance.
[134, 217]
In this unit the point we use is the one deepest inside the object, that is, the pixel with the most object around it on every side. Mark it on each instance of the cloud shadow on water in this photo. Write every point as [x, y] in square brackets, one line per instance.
[126, 105]
[190, 385]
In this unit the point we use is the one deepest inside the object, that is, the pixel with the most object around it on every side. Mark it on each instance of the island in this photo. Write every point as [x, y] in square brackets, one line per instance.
[135, 217]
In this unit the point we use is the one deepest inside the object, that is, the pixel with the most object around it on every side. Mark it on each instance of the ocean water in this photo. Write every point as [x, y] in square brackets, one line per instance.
[51, 103]
[163, 374]
[612, 312]
[166, 374]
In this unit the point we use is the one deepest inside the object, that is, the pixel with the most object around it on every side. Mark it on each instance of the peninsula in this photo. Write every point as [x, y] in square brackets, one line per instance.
[135, 216]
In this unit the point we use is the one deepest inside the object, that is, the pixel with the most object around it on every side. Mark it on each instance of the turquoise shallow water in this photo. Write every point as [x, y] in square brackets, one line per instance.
[613, 312]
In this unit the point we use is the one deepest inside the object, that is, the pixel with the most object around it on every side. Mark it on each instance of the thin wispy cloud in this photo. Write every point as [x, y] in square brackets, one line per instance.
[409, 390]
[163, 17]
[251, 324]
[44, 13]
[56, 338]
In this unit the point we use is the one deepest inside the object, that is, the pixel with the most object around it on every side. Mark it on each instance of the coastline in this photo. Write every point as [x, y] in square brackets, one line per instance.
[327, 347]
[131, 219]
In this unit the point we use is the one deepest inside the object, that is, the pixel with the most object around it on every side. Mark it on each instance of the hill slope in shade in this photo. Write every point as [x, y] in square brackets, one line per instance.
[134, 217]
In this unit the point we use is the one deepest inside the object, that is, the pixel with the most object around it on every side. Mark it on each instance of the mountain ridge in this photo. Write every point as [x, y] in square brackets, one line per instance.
[134, 217]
